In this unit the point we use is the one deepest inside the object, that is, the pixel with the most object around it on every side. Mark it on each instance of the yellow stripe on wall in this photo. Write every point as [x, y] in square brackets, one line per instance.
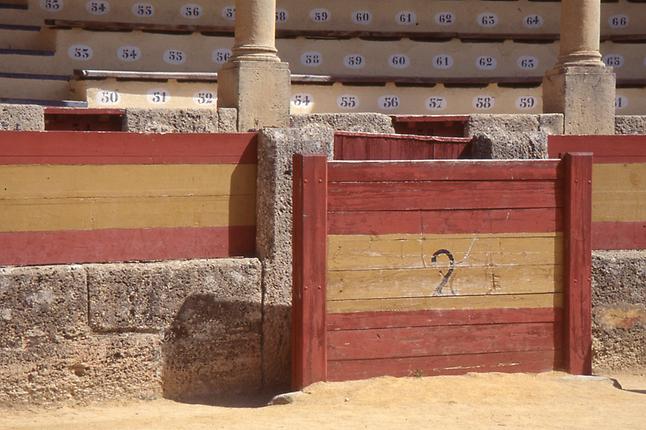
[619, 192]
[41, 181]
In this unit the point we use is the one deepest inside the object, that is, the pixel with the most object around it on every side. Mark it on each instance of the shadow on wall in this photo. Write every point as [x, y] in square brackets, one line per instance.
[211, 353]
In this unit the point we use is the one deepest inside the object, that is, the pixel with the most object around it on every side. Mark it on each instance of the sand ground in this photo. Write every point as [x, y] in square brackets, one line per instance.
[474, 401]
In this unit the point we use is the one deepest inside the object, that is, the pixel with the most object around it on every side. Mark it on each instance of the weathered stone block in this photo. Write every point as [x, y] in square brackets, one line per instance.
[171, 121]
[42, 305]
[148, 296]
[619, 309]
[357, 122]
[274, 236]
[512, 136]
[83, 370]
[22, 117]
[227, 120]
[630, 124]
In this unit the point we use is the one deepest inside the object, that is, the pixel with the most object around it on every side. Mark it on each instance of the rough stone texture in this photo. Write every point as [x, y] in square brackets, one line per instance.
[358, 122]
[585, 95]
[512, 136]
[171, 121]
[22, 117]
[274, 237]
[630, 124]
[260, 90]
[619, 309]
[227, 120]
[41, 305]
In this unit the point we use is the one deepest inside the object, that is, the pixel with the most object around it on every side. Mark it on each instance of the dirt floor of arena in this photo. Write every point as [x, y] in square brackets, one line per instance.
[474, 401]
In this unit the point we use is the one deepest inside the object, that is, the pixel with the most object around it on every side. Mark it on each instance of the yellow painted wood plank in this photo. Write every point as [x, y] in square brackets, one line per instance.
[126, 212]
[619, 192]
[361, 252]
[464, 281]
[546, 300]
[43, 181]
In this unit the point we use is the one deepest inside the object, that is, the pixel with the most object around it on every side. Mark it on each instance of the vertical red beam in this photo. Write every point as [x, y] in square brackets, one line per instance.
[309, 248]
[578, 264]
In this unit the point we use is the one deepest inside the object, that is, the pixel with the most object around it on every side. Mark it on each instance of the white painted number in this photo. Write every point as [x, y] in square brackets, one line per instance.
[621, 102]
[204, 98]
[436, 103]
[347, 101]
[443, 62]
[98, 7]
[362, 17]
[80, 52]
[399, 61]
[486, 63]
[174, 56]
[613, 60]
[51, 5]
[302, 100]
[483, 102]
[525, 102]
[445, 18]
[406, 17]
[311, 59]
[354, 61]
[143, 9]
[221, 56]
[618, 21]
[129, 54]
[191, 11]
[229, 13]
[107, 97]
[388, 102]
[158, 97]
[533, 21]
[527, 62]
[282, 16]
[320, 15]
[487, 20]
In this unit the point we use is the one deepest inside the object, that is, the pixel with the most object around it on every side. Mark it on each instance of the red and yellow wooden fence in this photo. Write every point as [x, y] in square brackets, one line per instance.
[70, 197]
[618, 187]
[440, 267]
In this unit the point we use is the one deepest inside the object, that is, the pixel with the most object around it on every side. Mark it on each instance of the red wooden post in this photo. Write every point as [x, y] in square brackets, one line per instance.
[309, 248]
[578, 263]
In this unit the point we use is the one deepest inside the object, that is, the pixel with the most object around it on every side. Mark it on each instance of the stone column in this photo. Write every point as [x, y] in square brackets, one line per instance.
[254, 80]
[580, 86]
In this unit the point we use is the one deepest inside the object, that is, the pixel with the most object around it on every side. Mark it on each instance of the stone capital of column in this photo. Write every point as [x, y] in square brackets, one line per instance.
[581, 58]
[255, 53]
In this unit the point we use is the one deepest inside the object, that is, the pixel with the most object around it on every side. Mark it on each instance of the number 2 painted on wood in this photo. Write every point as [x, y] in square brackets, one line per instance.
[447, 276]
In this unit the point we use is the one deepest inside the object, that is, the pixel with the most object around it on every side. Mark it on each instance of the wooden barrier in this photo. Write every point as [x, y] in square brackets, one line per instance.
[618, 187]
[375, 146]
[440, 267]
[77, 197]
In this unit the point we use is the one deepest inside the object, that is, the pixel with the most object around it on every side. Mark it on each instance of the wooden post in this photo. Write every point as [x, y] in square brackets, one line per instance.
[309, 248]
[578, 263]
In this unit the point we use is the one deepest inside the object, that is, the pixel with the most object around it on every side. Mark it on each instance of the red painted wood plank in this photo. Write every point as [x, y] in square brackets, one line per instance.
[309, 349]
[578, 263]
[83, 111]
[64, 147]
[619, 235]
[531, 361]
[440, 317]
[606, 149]
[113, 245]
[520, 220]
[442, 340]
[443, 170]
[377, 196]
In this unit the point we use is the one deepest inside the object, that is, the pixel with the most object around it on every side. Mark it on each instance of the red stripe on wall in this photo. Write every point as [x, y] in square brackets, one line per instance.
[64, 147]
[453, 195]
[539, 220]
[606, 149]
[113, 245]
[443, 170]
[526, 361]
[619, 235]
[440, 317]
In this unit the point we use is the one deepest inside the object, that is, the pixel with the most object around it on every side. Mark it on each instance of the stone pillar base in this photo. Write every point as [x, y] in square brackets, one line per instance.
[585, 95]
[259, 90]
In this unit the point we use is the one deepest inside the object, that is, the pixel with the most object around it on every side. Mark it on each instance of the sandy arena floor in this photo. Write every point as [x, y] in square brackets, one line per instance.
[475, 401]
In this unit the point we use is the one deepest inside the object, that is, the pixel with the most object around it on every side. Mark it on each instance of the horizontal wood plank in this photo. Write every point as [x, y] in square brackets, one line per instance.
[446, 221]
[126, 212]
[542, 300]
[47, 181]
[442, 317]
[446, 340]
[64, 147]
[102, 246]
[400, 196]
[606, 149]
[619, 192]
[443, 170]
[619, 235]
[530, 361]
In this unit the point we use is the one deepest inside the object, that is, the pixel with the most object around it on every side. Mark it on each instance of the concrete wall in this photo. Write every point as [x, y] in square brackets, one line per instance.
[357, 122]
[630, 124]
[619, 309]
[181, 120]
[22, 117]
[187, 330]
